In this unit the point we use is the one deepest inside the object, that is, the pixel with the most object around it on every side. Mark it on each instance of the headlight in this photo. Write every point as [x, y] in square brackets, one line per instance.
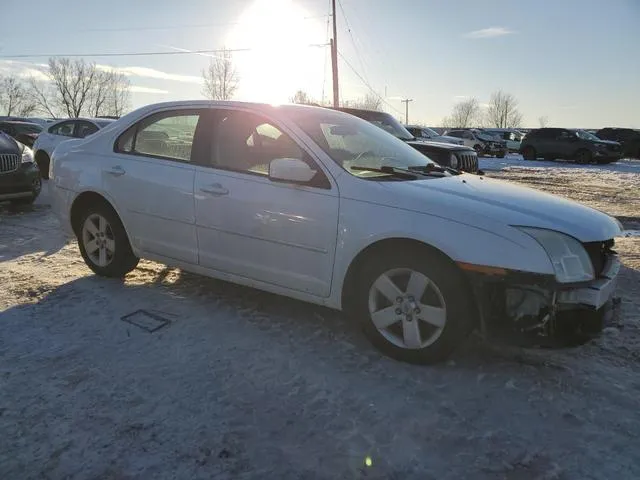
[569, 258]
[453, 160]
[27, 155]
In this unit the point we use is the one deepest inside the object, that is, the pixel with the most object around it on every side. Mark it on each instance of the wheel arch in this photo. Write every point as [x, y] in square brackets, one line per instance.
[380, 247]
[85, 200]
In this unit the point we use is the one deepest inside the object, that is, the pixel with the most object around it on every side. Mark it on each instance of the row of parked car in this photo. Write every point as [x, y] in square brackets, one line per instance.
[454, 148]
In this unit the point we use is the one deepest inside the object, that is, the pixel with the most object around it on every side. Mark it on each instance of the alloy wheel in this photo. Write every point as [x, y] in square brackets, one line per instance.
[98, 240]
[407, 308]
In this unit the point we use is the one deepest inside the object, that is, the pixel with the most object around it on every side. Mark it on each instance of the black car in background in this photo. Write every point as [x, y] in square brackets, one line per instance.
[446, 154]
[25, 132]
[568, 144]
[20, 181]
[627, 137]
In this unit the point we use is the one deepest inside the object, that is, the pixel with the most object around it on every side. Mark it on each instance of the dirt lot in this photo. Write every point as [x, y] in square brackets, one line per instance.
[243, 384]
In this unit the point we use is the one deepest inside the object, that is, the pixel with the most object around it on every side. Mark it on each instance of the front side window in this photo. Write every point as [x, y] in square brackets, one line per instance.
[246, 142]
[65, 129]
[165, 135]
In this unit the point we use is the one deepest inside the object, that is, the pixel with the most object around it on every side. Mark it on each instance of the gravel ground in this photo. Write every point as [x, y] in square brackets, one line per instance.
[244, 384]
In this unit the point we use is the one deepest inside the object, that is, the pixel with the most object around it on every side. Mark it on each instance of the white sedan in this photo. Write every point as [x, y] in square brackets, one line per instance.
[60, 131]
[321, 206]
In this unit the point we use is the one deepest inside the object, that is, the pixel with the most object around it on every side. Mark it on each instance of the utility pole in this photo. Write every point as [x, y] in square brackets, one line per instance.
[406, 109]
[334, 58]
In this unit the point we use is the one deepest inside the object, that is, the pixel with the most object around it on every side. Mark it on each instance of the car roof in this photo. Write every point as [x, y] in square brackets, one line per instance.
[20, 122]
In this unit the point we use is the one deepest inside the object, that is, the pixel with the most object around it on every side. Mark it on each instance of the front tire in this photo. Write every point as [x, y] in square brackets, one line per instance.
[104, 243]
[43, 161]
[411, 307]
[529, 153]
[583, 157]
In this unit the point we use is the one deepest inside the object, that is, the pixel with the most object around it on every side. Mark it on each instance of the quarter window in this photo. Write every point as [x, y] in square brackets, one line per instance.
[85, 129]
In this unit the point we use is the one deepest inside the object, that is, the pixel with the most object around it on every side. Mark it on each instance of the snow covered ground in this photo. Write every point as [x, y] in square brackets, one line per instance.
[243, 384]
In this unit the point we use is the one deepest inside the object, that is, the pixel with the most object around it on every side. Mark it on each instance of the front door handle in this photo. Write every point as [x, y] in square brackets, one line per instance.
[116, 171]
[215, 189]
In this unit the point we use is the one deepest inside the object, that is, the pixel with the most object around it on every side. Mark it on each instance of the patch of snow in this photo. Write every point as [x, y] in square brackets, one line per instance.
[515, 161]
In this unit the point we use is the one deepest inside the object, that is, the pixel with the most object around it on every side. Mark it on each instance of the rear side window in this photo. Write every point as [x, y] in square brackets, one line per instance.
[65, 129]
[85, 129]
[167, 135]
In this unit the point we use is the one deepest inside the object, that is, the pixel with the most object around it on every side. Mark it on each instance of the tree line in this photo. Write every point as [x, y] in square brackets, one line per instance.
[71, 88]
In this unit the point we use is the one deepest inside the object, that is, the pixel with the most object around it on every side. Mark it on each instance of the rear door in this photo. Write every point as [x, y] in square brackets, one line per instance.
[150, 176]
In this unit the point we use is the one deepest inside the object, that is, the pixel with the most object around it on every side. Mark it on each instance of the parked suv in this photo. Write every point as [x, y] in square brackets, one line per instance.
[449, 155]
[578, 145]
[627, 137]
[19, 175]
[424, 133]
[25, 132]
[483, 143]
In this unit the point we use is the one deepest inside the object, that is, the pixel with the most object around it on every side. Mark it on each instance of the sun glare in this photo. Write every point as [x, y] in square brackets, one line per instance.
[281, 60]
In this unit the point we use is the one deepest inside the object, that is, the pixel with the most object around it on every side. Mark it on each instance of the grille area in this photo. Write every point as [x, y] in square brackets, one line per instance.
[598, 253]
[467, 162]
[9, 162]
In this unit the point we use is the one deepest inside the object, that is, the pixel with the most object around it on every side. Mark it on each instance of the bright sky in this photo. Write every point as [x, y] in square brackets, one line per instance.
[574, 61]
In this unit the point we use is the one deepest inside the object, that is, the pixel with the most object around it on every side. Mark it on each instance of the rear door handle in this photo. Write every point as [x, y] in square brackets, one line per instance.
[215, 189]
[116, 171]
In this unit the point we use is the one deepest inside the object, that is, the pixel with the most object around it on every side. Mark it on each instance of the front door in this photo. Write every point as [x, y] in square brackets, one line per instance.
[248, 225]
[150, 178]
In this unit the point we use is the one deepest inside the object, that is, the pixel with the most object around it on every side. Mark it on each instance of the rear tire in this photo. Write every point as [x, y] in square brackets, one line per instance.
[104, 243]
[43, 161]
[410, 306]
[529, 153]
[583, 157]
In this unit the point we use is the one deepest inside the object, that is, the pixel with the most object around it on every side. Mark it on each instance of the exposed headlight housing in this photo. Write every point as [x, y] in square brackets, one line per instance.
[570, 260]
[453, 160]
[27, 155]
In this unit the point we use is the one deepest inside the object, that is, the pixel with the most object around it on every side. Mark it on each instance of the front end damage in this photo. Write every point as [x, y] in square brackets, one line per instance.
[533, 309]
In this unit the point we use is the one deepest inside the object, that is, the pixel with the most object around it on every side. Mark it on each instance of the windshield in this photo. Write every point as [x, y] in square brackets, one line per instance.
[587, 136]
[430, 133]
[353, 142]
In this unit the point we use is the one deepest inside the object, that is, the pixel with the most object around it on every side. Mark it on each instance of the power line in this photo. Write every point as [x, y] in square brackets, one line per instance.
[353, 41]
[139, 54]
[367, 84]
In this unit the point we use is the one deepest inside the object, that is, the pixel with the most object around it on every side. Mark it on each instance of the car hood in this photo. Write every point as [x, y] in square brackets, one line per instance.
[8, 144]
[448, 138]
[442, 145]
[470, 198]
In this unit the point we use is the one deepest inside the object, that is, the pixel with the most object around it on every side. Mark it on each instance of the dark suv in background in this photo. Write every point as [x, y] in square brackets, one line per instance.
[446, 154]
[25, 132]
[628, 137]
[578, 145]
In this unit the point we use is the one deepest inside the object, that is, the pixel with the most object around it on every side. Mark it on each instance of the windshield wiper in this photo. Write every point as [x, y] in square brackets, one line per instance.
[397, 172]
[432, 167]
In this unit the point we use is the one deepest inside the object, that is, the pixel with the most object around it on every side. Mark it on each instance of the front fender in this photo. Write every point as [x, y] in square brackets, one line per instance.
[501, 246]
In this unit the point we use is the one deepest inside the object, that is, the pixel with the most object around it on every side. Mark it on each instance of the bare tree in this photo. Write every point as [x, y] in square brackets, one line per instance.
[503, 111]
[301, 97]
[369, 102]
[74, 88]
[543, 121]
[465, 114]
[221, 77]
[14, 97]
[68, 89]
[110, 94]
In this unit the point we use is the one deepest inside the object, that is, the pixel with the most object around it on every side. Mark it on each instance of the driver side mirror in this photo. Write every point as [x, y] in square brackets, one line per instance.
[290, 170]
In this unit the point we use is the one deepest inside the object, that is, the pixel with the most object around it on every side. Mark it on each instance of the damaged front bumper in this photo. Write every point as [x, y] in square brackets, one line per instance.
[519, 305]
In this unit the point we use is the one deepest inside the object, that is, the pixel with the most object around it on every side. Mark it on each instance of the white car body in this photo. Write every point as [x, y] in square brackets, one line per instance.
[422, 133]
[298, 240]
[511, 136]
